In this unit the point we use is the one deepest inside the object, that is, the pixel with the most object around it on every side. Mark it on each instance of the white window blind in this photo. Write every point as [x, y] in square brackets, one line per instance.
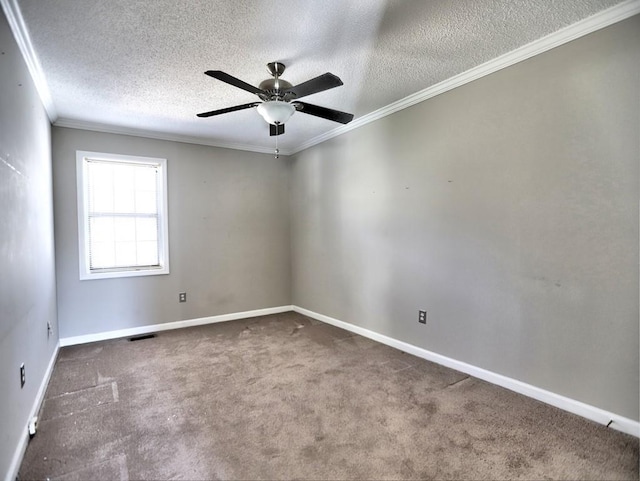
[123, 224]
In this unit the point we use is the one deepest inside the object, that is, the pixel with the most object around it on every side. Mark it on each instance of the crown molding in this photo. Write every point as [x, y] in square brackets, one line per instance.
[21, 34]
[150, 134]
[579, 29]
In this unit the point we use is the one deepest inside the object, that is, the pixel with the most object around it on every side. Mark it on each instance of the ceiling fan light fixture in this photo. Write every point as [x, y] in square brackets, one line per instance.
[276, 111]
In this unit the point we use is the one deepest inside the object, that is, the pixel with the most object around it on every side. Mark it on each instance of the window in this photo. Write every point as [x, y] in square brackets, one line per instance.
[122, 215]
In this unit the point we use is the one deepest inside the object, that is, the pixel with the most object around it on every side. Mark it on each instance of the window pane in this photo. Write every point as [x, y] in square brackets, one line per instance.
[146, 178]
[101, 229]
[147, 229]
[101, 200]
[124, 188]
[102, 255]
[125, 229]
[146, 202]
[100, 187]
[148, 253]
[100, 175]
[125, 254]
[124, 201]
[124, 176]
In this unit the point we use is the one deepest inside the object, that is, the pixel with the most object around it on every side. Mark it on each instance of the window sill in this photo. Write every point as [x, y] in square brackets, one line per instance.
[111, 274]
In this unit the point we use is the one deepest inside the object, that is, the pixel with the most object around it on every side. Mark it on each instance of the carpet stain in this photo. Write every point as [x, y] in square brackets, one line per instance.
[333, 372]
[270, 452]
[407, 470]
[429, 408]
[471, 406]
[517, 461]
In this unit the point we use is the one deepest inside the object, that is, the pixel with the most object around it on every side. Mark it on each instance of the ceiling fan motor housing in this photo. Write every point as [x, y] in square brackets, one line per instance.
[275, 87]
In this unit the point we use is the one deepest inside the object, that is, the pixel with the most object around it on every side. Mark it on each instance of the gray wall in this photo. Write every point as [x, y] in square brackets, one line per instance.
[27, 280]
[229, 237]
[508, 208]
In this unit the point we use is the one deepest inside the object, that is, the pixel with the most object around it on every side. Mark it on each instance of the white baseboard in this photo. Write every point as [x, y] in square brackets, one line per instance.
[135, 331]
[21, 447]
[593, 413]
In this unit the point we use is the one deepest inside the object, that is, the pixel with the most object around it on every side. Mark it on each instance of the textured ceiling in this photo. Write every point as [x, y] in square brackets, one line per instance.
[138, 64]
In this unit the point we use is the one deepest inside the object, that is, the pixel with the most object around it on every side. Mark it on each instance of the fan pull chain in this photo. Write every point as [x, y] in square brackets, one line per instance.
[277, 150]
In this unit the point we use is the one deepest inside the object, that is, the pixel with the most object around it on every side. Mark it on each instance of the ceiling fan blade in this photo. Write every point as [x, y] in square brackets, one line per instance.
[236, 82]
[228, 109]
[322, 82]
[323, 112]
[276, 129]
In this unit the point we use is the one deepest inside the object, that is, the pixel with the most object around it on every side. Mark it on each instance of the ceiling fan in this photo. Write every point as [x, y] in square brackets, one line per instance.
[280, 98]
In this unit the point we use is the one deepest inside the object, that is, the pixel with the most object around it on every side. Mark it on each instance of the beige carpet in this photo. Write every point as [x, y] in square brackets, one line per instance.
[286, 397]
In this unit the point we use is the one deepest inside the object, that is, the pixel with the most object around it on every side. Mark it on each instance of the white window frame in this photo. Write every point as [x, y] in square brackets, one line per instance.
[82, 158]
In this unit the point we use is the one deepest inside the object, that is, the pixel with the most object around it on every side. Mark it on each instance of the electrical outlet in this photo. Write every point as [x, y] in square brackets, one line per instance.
[22, 376]
[182, 297]
[422, 317]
